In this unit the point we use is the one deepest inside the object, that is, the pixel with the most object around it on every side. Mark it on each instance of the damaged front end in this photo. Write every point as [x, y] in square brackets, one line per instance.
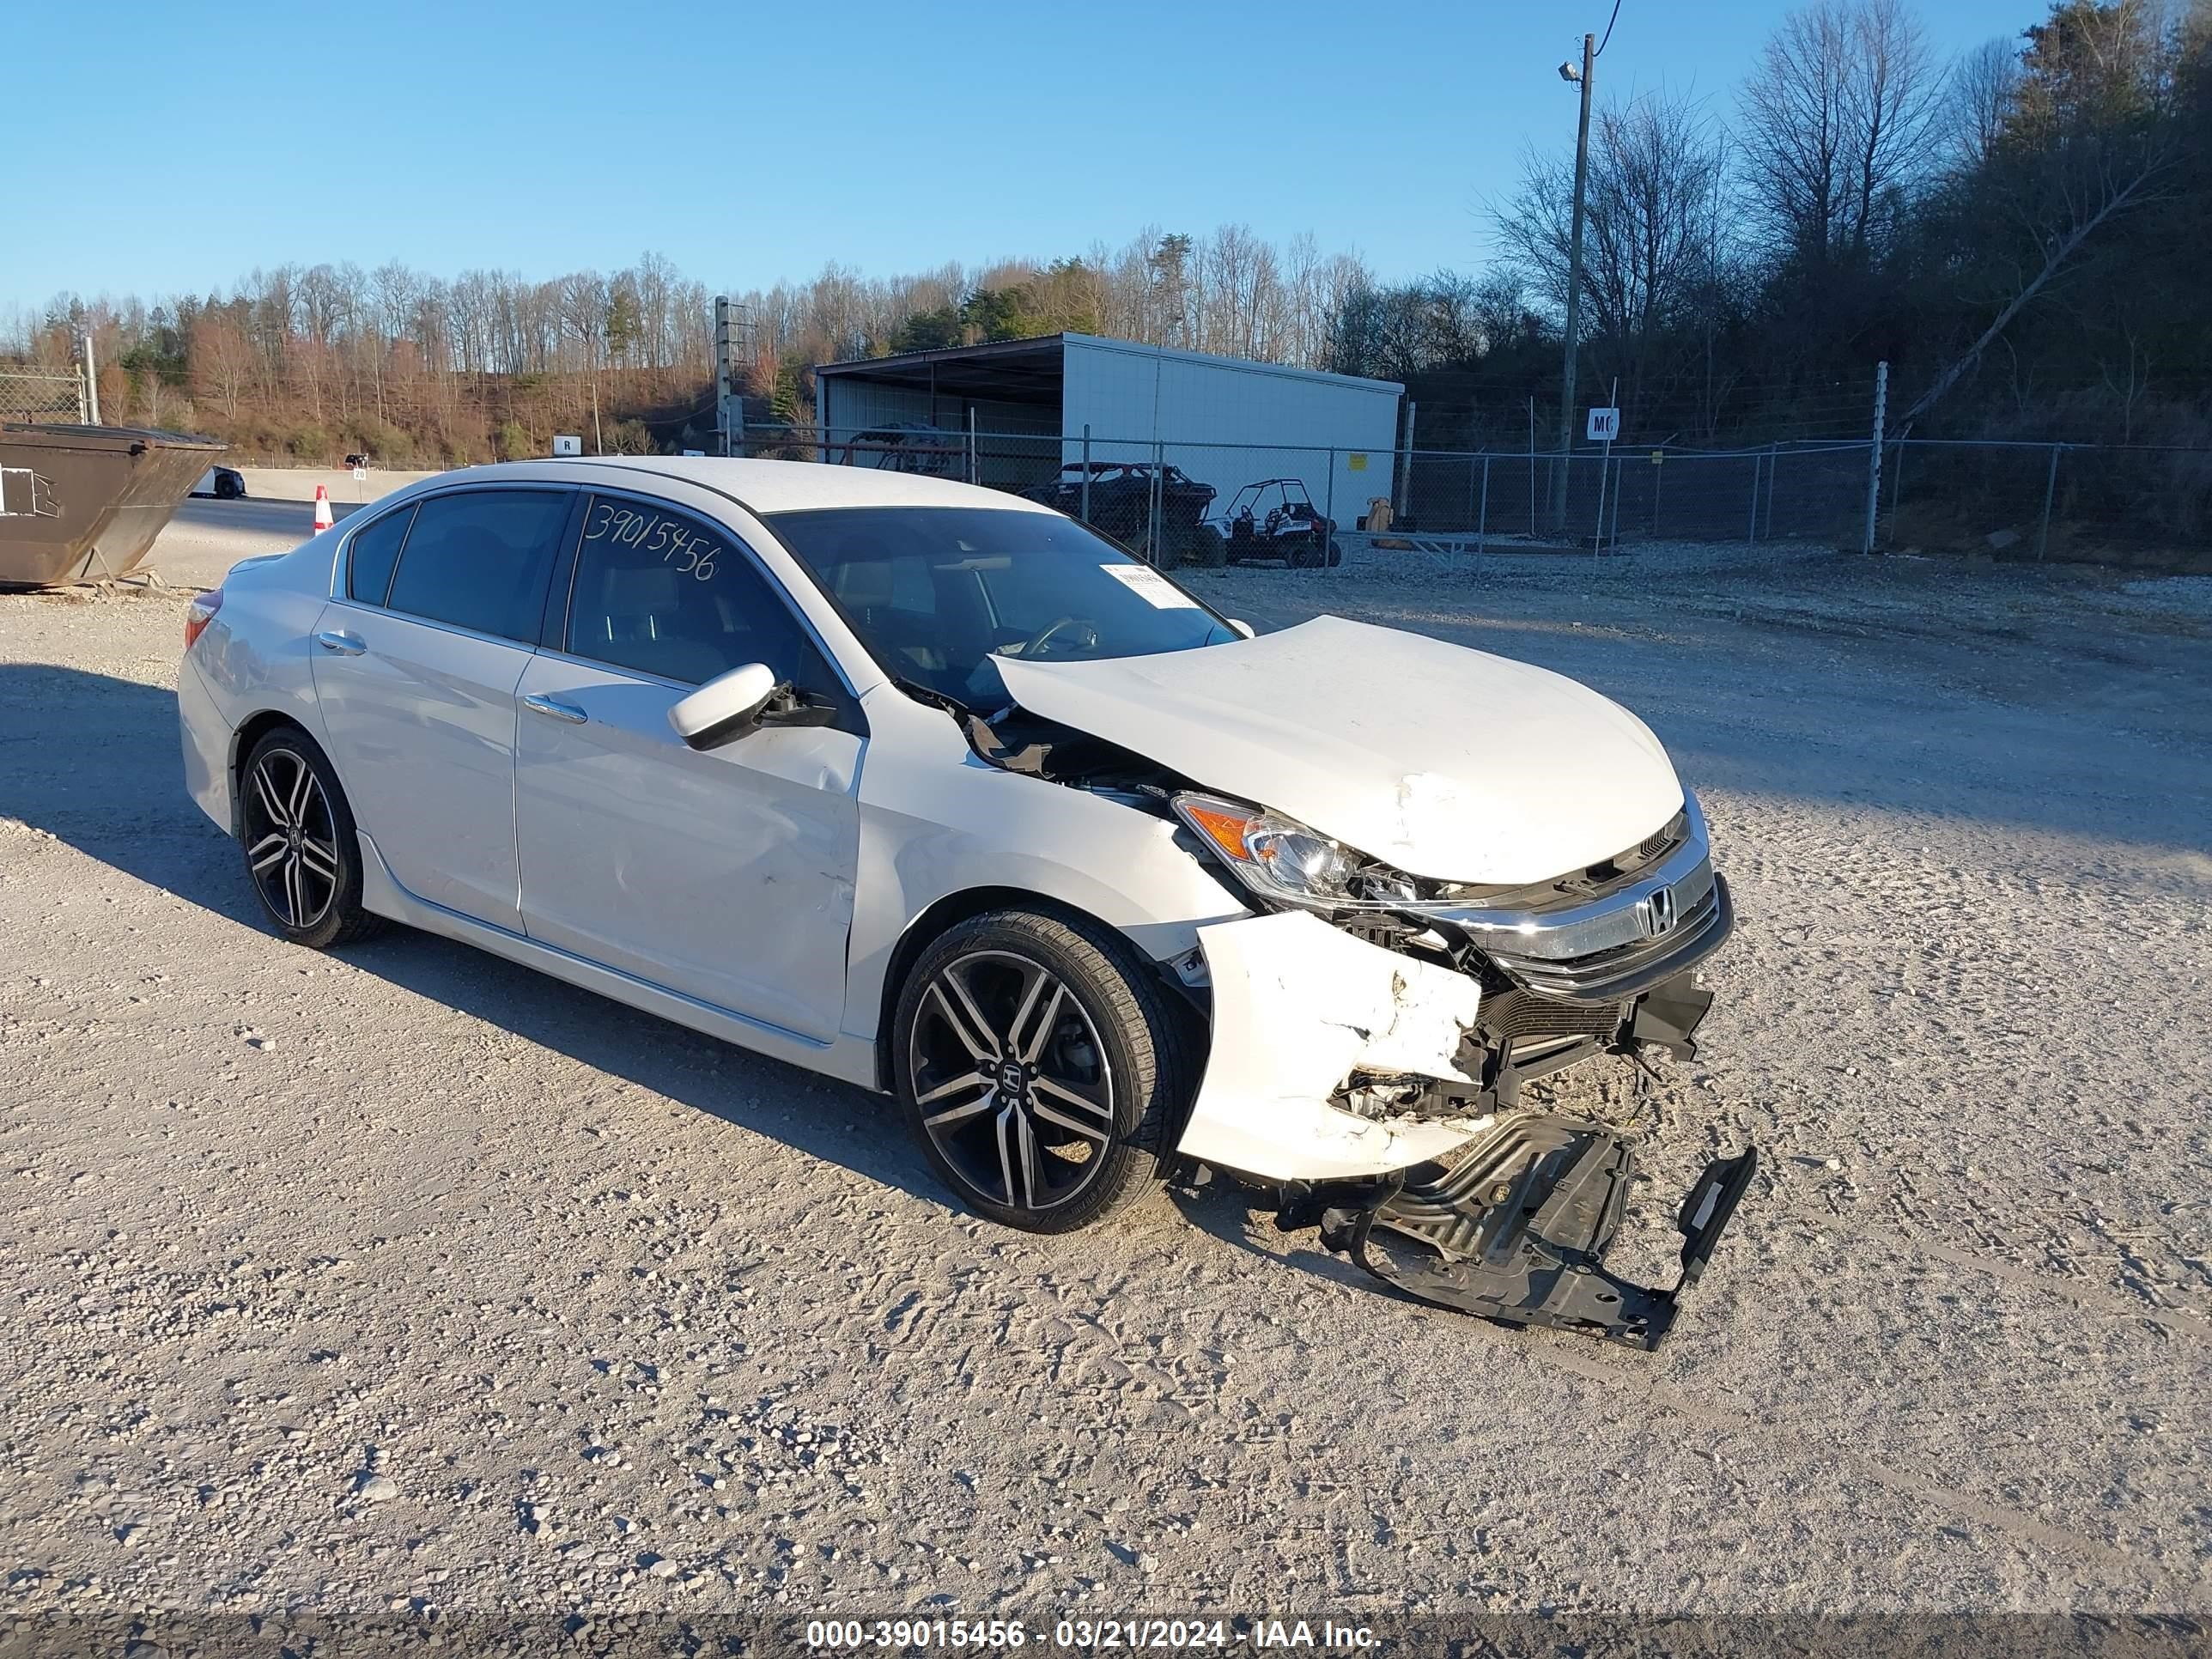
[1379, 1093]
[1369, 1065]
[1371, 1032]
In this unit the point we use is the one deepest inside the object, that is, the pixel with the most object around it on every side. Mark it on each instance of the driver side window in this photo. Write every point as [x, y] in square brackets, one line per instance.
[669, 594]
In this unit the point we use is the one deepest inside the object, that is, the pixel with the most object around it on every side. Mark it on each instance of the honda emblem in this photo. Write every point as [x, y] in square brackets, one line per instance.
[1659, 913]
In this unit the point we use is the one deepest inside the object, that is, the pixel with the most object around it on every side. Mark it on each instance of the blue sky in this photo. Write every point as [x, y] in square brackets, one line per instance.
[166, 147]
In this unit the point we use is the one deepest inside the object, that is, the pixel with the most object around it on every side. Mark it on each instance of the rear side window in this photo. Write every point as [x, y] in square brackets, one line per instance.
[481, 560]
[374, 551]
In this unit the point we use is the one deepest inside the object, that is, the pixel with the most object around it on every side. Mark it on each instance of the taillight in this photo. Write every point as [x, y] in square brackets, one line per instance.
[199, 613]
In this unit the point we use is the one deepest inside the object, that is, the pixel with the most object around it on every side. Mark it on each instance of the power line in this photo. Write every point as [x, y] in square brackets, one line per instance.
[1610, 21]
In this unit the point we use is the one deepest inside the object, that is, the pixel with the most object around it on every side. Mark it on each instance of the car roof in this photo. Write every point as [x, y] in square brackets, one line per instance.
[766, 487]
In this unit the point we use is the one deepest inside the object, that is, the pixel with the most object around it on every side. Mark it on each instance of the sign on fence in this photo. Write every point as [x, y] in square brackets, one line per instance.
[1604, 425]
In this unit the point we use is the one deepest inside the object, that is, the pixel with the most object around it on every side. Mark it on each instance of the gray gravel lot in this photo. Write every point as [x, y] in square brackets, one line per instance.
[404, 1278]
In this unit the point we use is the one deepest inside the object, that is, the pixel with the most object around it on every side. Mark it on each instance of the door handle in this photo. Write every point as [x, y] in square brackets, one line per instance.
[346, 645]
[553, 705]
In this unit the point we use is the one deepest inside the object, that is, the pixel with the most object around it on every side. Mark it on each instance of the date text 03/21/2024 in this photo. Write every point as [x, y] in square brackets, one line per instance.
[1088, 1635]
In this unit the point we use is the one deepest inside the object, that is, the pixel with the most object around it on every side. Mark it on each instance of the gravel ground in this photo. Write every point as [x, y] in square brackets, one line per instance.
[405, 1278]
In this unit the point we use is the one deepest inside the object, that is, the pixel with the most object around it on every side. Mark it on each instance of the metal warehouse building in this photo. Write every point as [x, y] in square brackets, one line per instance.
[1028, 404]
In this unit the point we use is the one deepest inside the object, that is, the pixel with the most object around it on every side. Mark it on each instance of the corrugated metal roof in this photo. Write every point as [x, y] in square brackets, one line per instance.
[1041, 347]
[1044, 348]
[1177, 354]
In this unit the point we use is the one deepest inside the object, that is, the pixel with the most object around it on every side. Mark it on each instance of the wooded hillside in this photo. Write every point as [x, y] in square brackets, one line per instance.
[2017, 232]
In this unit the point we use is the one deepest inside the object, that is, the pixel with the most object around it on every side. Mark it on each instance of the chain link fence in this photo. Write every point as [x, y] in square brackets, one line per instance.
[1612, 500]
[2099, 503]
[25, 395]
[1178, 503]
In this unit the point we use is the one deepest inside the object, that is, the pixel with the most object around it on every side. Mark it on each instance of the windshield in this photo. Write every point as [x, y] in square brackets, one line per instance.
[935, 592]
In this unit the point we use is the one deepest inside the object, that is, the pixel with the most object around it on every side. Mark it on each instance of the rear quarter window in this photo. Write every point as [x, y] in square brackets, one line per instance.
[372, 553]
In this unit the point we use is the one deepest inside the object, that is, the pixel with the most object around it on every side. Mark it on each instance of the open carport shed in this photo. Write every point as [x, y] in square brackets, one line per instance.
[1225, 421]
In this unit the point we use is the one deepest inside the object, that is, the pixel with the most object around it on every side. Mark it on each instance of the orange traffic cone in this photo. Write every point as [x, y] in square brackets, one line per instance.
[322, 519]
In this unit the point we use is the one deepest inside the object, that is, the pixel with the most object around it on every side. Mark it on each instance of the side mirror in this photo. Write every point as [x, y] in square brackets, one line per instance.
[727, 707]
[1244, 627]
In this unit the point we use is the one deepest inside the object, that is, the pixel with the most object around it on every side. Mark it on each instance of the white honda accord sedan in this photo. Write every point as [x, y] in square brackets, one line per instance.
[934, 790]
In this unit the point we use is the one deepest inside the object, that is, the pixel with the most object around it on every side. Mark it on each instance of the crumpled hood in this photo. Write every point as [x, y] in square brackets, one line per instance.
[1446, 762]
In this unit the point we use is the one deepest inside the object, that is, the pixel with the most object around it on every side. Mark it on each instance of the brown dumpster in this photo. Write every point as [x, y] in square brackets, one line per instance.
[79, 501]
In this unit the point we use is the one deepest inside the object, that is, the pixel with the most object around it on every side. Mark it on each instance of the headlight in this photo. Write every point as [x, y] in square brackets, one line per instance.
[1276, 857]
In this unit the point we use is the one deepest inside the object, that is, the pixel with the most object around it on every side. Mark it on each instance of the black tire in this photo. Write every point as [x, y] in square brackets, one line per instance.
[1335, 552]
[225, 490]
[303, 852]
[1303, 555]
[1101, 1060]
[1209, 548]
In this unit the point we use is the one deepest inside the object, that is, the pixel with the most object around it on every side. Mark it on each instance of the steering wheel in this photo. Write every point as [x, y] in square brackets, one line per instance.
[1034, 646]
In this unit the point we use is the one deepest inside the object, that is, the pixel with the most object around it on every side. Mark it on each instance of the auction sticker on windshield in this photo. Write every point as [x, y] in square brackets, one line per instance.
[1152, 587]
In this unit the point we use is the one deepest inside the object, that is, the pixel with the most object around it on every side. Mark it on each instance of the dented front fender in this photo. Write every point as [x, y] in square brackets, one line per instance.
[1298, 1006]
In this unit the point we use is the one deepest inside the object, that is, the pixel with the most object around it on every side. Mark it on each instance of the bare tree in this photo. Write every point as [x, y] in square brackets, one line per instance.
[1982, 84]
[1836, 120]
[1893, 97]
[1654, 166]
[2059, 226]
[223, 360]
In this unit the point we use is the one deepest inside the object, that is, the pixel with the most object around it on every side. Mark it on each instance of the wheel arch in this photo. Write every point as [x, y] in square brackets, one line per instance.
[250, 732]
[939, 918]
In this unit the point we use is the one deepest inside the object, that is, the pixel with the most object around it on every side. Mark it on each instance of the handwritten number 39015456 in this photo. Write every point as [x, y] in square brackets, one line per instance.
[692, 554]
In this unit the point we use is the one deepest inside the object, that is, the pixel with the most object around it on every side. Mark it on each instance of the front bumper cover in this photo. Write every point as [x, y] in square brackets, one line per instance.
[1297, 1006]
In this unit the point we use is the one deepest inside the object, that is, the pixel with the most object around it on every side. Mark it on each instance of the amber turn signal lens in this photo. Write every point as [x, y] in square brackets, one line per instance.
[1224, 829]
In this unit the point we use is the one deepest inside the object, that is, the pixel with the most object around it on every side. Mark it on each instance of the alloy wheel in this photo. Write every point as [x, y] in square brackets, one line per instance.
[1013, 1083]
[291, 839]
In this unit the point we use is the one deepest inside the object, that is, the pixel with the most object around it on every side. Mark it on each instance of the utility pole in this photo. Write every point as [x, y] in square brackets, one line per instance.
[729, 392]
[1574, 277]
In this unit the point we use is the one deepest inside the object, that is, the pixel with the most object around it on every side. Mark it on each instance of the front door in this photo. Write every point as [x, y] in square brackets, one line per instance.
[415, 669]
[727, 874]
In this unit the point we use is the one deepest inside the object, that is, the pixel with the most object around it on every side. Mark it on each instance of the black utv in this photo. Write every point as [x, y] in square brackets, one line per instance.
[1120, 505]
[1276, 518]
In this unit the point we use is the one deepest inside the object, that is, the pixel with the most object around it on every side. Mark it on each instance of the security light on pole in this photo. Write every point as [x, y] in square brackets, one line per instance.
[1568, 73]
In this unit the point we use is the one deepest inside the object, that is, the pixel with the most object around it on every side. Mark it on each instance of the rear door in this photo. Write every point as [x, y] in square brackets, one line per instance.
[415, 670]
[727, 874]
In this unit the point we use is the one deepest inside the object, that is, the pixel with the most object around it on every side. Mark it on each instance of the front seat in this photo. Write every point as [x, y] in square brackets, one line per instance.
[641, 615]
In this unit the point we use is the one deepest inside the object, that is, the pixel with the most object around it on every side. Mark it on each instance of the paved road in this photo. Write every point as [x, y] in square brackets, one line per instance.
[205, 537]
